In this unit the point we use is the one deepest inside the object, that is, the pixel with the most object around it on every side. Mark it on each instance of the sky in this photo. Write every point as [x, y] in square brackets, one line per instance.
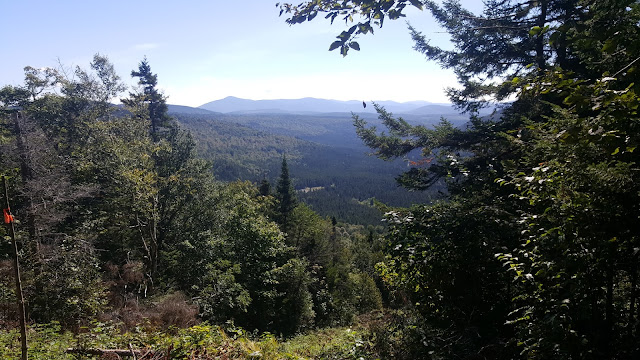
[205, 50]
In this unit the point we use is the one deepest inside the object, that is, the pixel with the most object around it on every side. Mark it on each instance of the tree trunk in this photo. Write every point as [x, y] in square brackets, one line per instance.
[16, 268]
[633, 295]
[609, 321]
[540, 40]
[155, 246]
[26, 172]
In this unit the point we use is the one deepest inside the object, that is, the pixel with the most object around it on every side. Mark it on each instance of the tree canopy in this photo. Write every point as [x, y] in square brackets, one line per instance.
[119, 221]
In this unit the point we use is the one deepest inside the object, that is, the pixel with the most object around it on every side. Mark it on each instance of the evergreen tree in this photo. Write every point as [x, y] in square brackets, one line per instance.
[265, 187]
[171, 166]
[286, 196]
[148, 103]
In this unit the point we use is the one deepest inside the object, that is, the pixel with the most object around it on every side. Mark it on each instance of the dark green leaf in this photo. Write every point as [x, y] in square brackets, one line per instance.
[416, 3]
[335, 45]
[609, 46]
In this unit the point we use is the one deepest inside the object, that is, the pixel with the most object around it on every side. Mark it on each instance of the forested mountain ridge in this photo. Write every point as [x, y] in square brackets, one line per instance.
[171, 109]
[307, 124]
[336, 162]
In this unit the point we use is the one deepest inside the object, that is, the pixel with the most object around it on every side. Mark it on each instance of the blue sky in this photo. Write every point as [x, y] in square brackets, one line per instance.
[207, 50]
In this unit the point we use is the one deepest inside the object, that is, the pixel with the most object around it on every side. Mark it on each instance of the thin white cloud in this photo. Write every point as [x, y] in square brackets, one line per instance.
[146, 46]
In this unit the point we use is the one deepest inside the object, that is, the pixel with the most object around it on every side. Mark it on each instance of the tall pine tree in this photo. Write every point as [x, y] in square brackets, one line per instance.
[286, 196]
[148, 102]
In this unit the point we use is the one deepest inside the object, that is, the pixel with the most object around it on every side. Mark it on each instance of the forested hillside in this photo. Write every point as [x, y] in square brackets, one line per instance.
[333, 163]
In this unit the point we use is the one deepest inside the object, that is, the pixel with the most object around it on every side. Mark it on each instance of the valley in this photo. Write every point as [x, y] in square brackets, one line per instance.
[323, 151]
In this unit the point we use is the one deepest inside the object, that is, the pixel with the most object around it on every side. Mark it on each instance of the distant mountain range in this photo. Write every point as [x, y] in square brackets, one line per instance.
[181, 109]
[308, 106]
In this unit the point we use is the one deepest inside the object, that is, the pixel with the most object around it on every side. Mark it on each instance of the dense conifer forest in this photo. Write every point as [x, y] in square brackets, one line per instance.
[128, 232]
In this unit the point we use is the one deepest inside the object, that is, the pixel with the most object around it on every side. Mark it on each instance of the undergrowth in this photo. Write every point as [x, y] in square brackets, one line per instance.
[376, 335]
[48, 342]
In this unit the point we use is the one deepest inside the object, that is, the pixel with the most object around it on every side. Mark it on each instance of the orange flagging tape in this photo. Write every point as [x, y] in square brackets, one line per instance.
[8, 218]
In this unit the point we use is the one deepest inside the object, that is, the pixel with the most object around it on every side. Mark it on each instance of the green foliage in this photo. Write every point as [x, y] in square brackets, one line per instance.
[443, 256]
[309, 234]
[371, 13]
[65, 287]
[296, 312]
[336, 343]
[61, 273]
[45, 342]
[578, 189]
[201, 342]
[264, 187]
